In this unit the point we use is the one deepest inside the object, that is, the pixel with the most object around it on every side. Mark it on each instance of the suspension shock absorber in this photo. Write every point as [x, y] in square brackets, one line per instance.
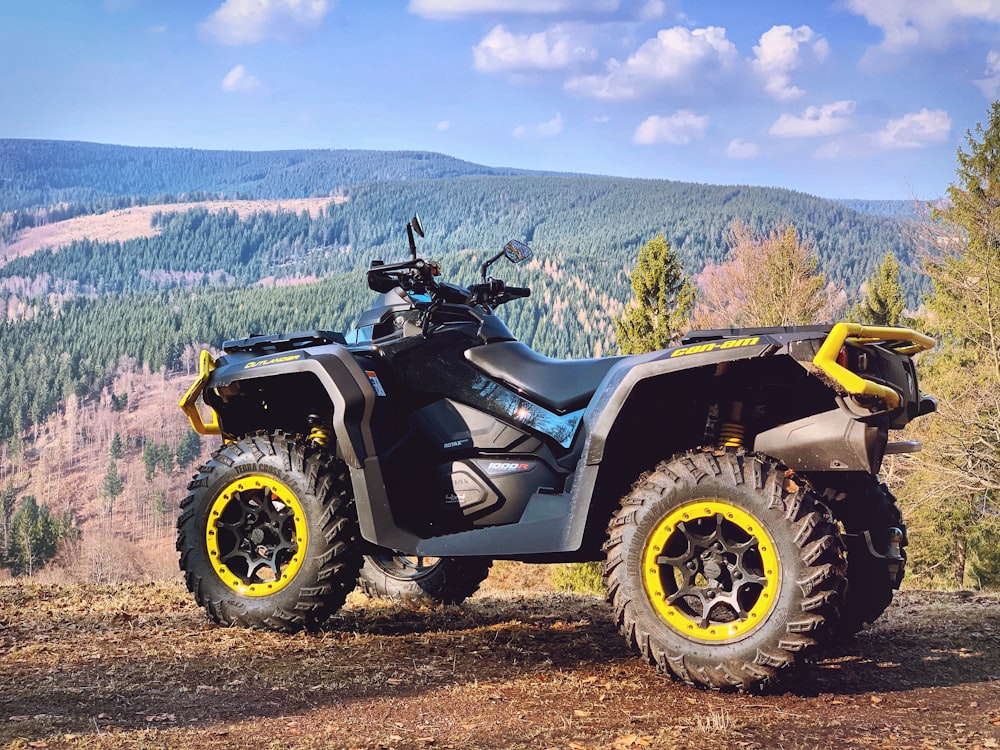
[711, 434]
[319, 434]
[731, 433]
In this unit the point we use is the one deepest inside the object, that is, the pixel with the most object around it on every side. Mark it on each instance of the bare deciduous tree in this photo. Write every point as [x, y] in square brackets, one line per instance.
[767, 281]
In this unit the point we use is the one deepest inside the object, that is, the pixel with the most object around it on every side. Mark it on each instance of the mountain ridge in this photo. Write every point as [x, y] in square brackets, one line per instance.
[249, 171]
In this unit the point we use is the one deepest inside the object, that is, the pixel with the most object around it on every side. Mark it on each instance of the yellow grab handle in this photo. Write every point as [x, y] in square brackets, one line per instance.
[826, 357]
[189, 402]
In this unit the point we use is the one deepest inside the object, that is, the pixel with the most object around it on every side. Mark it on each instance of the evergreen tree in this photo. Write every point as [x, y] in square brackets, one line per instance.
[34, 537]
[157, 456]
[7, 500]
[883, 302]
[188, 448]
[150, 460]
[114, 484]
[663, 298]
[117, 449]
[955, 490]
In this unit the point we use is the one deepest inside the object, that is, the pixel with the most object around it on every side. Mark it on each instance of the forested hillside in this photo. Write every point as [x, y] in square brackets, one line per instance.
[604, 220]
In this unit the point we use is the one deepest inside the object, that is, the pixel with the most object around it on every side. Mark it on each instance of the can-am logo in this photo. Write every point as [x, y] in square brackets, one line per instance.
[497, 467]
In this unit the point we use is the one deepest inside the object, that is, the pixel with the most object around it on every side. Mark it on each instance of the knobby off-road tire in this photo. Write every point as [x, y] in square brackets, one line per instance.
[422, 581]
[722, 567]
[268, 536]
[870, 580]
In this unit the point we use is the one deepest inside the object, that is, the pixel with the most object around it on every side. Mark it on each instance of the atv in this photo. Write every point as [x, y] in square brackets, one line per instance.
[729, 483]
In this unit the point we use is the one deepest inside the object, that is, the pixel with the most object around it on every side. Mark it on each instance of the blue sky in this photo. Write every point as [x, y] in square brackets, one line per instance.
[839, 98]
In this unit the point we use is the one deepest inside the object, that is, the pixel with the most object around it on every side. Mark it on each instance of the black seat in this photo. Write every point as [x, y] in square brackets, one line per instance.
[560, 385]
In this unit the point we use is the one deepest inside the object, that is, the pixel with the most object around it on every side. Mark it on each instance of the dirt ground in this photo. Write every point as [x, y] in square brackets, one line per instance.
[140, 667]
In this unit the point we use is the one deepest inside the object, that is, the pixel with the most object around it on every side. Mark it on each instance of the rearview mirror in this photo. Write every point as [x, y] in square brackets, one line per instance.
[516, 251]
[417, 227]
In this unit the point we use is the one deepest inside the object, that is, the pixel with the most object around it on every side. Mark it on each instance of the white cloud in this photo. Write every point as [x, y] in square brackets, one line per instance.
[542, 130]
[455, 8]
[990, 85]
[678, 129]
[249, 21]
[676, 56]
[553, 49]
[833, 149]
[915, 130]
[739, 149]
[778, 54]
[921, 23]
[828, 119]
[652, 9]
[238, 80]
[443, 125]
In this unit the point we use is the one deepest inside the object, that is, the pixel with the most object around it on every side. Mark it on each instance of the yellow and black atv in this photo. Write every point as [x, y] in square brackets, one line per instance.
[729, 483]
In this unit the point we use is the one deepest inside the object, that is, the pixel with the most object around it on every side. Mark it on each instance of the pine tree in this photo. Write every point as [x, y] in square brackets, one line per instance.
[35, 537]
[7, 500]
[114, 484]
[117, 449]
[663, 299]
[157, 456]
[883, 301]
[955, 490]
[188, 448]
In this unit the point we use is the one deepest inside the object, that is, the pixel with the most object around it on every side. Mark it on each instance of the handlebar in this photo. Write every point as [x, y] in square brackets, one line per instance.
[493, 292]
[411, 275]
[419, 275]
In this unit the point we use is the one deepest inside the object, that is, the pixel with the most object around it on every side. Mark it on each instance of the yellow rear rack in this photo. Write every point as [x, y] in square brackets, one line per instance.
[909, 342]
[189, 402]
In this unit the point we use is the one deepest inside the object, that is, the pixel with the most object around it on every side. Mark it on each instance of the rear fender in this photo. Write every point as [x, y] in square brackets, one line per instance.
[644, 413]
[618, 387]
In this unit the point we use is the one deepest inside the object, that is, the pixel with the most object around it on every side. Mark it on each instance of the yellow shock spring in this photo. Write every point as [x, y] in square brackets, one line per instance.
[731, 435]
[319, 435]
[731, 432]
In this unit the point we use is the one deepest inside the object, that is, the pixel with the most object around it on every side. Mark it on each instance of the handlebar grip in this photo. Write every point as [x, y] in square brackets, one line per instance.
[517, 291]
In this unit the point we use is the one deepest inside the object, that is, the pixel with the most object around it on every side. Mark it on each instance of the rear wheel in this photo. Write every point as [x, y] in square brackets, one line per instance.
[876, 554]
[722, 567]
[267, 535]
[420, 580]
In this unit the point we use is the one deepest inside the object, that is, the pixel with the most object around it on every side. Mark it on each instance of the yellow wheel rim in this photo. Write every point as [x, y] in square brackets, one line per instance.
[256, 535]
[711, 571]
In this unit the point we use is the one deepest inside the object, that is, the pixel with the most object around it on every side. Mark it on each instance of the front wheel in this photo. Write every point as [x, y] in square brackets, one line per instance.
[267, 534]
[722, 567]
[417, 580]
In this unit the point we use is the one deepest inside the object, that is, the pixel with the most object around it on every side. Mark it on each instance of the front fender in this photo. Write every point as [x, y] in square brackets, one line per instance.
[279, 382]
[338, 376]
